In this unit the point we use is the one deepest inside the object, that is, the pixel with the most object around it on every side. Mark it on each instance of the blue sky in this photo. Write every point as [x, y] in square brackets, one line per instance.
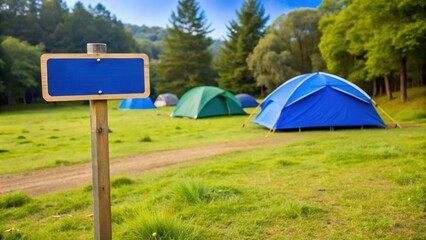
[218, 12]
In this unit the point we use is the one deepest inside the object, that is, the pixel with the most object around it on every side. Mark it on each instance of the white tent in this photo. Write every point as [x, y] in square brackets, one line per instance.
[166, 99]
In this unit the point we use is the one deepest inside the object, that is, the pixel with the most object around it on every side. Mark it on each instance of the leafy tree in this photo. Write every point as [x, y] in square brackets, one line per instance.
[345, 33]
[2, 69]
[243, 36]
[185, 60]
[376, 43]
[21, 68]
[400, 26]
[289, 48]
[333, 44]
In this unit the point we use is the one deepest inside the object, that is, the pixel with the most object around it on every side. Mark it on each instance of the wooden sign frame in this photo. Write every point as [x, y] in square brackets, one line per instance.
[96, 57]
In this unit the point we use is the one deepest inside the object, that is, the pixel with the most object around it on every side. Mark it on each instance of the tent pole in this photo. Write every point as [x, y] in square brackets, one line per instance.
[269, 132]
[251, 114]
[387, 115]
[273, 126]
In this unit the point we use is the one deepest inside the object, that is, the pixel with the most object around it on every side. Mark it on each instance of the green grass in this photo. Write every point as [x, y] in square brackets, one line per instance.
[345, 184]
[37, 137]
[58, 135]
[356, 184]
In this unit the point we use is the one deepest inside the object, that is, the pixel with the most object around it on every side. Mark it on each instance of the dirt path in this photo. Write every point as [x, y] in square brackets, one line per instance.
[46, 181]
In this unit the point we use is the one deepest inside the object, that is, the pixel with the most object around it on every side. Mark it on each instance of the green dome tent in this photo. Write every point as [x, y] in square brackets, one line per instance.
[203, 102]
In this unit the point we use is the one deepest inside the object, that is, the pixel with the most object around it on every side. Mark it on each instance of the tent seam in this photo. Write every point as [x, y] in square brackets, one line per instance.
[298, 85]
[304, 96]
[351, 84]
[340, 90]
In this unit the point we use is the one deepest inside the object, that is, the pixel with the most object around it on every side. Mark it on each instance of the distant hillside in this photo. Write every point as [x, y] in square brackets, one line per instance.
[215, 47]
[150, 40]
[143, 32]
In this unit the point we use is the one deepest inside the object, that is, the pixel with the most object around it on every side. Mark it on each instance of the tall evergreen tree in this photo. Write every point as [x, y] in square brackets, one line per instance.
[52, 17]
[185, 60]
[234, 74]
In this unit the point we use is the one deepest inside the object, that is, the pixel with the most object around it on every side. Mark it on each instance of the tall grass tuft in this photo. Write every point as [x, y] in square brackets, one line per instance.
[14, 199]
[145, 139]
[192, 191]
[284, 163]
[121, 181]
[295, 210]
[151, 225]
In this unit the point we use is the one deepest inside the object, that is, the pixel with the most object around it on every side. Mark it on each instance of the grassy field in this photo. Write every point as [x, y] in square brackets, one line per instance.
[347, 184]
[44, 137]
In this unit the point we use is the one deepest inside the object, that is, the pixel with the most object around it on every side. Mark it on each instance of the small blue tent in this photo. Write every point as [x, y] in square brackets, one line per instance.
[317, 100]
[246, 100]
[136, 103]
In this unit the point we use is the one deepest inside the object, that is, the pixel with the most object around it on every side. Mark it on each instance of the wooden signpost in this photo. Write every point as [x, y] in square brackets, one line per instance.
[96, 76]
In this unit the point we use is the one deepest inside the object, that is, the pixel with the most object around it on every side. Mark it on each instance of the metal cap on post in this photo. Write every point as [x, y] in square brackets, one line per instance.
[93, 48]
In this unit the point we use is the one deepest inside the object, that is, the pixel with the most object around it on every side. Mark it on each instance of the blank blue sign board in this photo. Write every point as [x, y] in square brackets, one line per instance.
[68, 77]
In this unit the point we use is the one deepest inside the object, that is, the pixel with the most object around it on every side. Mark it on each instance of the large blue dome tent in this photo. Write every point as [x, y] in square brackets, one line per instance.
[316, 100]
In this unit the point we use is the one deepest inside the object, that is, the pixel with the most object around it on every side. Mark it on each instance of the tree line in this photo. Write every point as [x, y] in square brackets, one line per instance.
[32, 27]
[375, 42]
[379, 45]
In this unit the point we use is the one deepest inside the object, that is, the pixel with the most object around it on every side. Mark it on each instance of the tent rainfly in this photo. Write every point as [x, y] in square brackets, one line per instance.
[136, 103]
[166, 99]
[317, 100]
[207, 101]
[246, 100]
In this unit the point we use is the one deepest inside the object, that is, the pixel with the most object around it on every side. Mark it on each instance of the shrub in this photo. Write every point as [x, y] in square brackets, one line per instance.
[15, 199]
[145, 139]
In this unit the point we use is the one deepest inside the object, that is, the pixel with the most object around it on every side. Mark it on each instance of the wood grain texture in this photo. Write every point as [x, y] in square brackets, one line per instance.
[100, 169]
